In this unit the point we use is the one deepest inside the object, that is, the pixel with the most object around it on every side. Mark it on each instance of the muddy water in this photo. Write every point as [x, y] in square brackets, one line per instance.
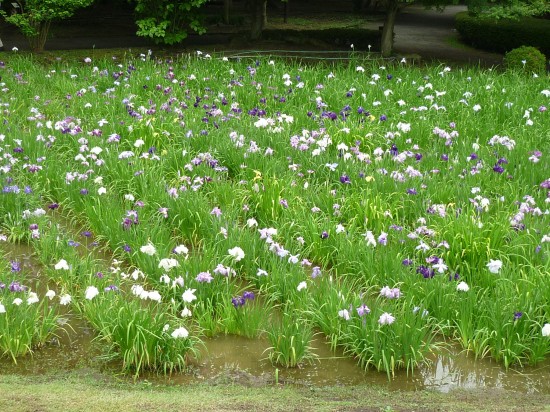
[232, 359]
[236, 359]
[453, 370]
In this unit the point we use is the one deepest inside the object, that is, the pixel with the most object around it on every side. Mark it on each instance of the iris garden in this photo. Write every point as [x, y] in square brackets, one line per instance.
[389, 208]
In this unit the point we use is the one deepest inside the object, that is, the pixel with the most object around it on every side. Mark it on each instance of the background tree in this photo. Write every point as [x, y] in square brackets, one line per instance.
[227, 7]
[391, 7]
[258, 15]
[168, 21]
[34, 17]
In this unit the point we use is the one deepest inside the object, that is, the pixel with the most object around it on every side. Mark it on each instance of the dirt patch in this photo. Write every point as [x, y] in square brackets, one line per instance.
[236, 376]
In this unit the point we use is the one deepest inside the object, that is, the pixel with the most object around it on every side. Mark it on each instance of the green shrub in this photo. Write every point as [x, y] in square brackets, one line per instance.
[503, 35]
[526, 58]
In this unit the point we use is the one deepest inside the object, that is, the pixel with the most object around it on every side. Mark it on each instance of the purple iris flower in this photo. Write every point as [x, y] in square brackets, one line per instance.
[15, 266]
[329, 115]
[426, 272]
[315, 272]
[456, 276]
[432, 259]
[238, 301]
[345, 179]
[363, 310]
[498, 168]
[204, 277]
[17, 287]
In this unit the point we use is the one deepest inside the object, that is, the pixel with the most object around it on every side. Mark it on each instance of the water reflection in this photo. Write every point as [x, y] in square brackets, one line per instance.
[23, 254]
[459, 370]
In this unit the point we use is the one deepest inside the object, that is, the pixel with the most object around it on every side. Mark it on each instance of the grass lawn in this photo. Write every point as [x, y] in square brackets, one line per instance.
[84, 393]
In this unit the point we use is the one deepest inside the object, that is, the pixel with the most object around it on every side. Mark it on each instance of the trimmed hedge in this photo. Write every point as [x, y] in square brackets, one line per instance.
[527, 59]
[504, 35]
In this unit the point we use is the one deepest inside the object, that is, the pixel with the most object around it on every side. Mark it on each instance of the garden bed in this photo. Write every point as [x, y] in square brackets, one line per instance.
[391, 210]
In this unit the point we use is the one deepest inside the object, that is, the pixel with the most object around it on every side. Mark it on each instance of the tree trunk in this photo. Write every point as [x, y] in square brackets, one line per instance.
[264, 13]
[227, 6]
[258, 10]
[387, 32]
[38, 42]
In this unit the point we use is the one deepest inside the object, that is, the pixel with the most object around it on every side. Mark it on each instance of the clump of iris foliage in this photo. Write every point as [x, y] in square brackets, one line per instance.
[26, 321]
[386, 207]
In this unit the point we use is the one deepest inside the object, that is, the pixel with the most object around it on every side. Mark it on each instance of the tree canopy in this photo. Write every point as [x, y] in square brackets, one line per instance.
[167, 21]
[33, 17]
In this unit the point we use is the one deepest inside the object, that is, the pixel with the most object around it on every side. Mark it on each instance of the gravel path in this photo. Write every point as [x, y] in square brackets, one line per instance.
[431, 34]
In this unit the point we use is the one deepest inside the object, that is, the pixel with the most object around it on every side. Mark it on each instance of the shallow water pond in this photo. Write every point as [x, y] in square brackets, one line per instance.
[457, 370]
[241, 360]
